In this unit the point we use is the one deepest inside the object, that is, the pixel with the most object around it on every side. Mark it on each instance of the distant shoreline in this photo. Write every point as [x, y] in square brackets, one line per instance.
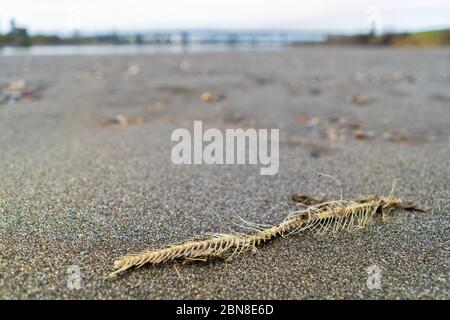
[20, 38]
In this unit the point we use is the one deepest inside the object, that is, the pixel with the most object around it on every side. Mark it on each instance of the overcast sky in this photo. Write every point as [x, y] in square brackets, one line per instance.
[323, 15]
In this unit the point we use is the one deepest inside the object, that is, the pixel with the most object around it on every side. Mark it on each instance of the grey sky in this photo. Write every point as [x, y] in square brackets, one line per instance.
[326, 15]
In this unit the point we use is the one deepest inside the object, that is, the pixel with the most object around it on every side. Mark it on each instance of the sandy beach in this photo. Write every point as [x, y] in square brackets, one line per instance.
[86, 174]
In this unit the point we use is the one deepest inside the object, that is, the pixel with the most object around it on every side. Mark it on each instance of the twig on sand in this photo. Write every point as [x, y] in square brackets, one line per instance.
[176, 270]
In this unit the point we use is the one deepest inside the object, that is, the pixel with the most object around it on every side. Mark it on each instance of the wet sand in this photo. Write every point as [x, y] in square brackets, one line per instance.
[77, 189]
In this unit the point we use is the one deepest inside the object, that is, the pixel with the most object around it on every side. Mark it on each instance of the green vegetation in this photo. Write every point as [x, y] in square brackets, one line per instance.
[424, 39]
[45, 39]
[417, 39]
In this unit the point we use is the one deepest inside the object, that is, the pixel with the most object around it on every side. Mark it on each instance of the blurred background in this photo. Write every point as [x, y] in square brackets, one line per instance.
[232, 22]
